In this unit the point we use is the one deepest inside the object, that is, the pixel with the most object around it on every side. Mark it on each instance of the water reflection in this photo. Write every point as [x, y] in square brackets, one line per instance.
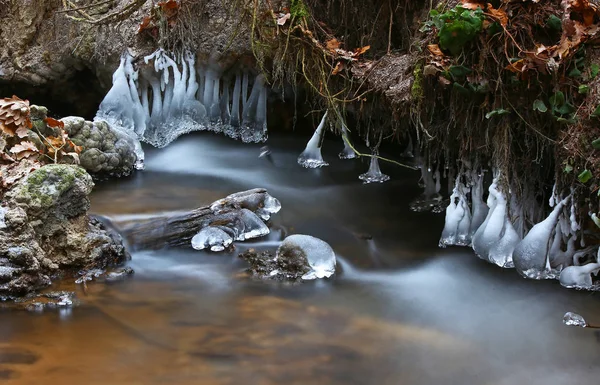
[401, 312]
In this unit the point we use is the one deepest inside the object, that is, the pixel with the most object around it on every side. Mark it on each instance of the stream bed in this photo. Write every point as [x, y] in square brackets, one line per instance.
[402, 312]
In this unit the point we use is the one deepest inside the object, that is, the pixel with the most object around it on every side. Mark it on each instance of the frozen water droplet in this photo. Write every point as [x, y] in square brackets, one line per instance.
[574, 319]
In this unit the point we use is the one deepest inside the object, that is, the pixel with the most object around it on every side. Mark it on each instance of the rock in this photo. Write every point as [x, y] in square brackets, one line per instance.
[265, 266]
[300, 257]
[105, 150]
[47, 230]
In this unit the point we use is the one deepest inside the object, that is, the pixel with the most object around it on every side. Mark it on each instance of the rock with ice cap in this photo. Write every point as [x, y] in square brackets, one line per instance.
[319, 255]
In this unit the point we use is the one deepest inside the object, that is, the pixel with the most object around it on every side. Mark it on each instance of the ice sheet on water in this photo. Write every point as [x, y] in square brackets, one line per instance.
[311, 156]
[319, 254]
[574, 319]
[211, 237]
[374, 175]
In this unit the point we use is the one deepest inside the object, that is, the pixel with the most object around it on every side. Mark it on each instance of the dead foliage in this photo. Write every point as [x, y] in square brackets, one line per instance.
[23, 147]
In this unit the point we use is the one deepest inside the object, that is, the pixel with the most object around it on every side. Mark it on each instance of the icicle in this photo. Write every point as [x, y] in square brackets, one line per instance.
[347, 152]
[408, 151]
[224, 104]
[490, 231]
[463, 233]
[502, 251]
[480, 209]
[374, 174]
[235, 106]
[215, 109]
[531, 254]
[311, 156]
[245, 81]
[122, 108]
[451, 223]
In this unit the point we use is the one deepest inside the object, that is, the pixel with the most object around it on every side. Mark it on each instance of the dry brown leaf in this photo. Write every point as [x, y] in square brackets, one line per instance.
[473, 4]
[498, 14]
[332, 45]
[338, 68]
[435, 49]
[54, 123]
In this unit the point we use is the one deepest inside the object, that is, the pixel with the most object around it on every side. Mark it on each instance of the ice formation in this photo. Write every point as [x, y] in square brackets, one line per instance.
[260, 202]
[496, 238]
[478, 206]
[211, 237]
[580, 277]
[347, 152]
[457, 230]
[374, 175]
[574, 319]
[311, 156]
[319, 254]
[430, 199]
[167, 96]
[531, 254]
[248, 225]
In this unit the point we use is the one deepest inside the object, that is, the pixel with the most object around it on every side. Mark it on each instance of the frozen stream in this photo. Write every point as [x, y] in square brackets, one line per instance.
[405, 312]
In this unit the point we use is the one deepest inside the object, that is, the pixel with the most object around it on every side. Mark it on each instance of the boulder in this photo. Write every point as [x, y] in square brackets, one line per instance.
[46, 230]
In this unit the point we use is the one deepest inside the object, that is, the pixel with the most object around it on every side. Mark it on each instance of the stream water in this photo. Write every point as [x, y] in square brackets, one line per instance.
[402, 312]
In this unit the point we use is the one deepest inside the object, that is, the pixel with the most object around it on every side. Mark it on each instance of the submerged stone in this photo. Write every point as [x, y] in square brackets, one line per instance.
[318, 254]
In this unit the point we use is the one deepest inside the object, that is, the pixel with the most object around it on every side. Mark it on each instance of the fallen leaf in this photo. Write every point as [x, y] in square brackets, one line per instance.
[332, 44]
[54, 123]
[435, 49]
[338, 68]
[498, 14]
[283, 19]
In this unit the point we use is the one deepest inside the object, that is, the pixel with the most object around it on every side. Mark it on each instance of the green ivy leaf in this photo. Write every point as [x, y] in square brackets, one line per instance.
[554, 23]
[566, 121]
[558, 99]
[596, 112]
[568, 168]
[459, 73]
[584, 89]
[596, 144]
[594, 70]
[585, 176]
[574, 73]
[498, 111]
[539, 105]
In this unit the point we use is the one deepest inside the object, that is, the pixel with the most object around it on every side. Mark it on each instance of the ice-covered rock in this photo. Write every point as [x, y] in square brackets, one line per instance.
[574, 319]
[531, 254]
[318, 253]
[490, 230]
[249, 226]
[211, 237]
[374, 175]
[311, 156]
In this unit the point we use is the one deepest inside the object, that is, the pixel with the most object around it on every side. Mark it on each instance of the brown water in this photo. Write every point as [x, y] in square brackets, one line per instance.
[403, 312]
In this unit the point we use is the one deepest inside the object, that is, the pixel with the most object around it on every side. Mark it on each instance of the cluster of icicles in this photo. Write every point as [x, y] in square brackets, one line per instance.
[311, 157]
[497, 232]
[167, 97]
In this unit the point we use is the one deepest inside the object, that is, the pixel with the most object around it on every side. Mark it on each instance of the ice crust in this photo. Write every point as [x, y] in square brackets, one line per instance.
[574, 319]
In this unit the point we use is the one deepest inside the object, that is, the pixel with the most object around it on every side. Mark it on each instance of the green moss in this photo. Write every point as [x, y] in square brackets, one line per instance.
[416, 90]
[45, 184]
[298, 9]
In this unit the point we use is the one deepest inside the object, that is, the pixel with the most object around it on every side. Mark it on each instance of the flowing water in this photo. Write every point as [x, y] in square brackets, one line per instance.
[402, 312]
